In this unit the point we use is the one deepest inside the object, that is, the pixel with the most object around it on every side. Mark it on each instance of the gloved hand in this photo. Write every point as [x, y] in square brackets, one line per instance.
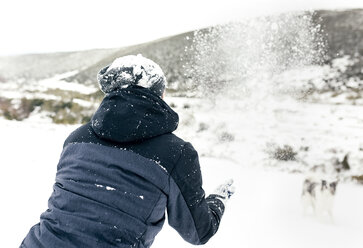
[225, 191]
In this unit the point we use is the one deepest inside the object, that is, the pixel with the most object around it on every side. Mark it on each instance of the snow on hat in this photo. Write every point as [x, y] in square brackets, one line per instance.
[132, 70]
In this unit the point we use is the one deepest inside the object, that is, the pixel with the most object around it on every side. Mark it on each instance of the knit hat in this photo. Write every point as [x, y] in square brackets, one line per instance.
[132, 70]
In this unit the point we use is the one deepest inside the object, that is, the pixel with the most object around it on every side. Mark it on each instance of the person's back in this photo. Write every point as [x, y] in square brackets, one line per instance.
[118, 174]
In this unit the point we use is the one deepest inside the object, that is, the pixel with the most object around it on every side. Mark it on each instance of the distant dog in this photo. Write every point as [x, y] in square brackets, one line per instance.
[318, 197]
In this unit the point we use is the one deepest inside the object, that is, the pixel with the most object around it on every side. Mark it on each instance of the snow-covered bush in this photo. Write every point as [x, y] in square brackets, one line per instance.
[284, 153]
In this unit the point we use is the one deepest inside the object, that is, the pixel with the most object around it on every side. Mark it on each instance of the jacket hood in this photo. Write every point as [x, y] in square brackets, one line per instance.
[133, 114]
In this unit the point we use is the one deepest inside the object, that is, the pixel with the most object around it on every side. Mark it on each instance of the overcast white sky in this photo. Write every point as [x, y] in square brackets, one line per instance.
[36, 26]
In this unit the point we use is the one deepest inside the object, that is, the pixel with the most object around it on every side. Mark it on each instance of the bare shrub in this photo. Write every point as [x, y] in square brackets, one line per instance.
[284, 153]
[226, 137]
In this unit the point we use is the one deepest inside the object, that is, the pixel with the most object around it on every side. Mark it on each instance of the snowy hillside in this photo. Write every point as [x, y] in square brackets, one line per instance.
[31, 67]
[342, 29]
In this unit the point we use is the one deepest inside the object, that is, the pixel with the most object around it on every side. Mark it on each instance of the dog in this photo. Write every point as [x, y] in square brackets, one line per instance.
[318, 197]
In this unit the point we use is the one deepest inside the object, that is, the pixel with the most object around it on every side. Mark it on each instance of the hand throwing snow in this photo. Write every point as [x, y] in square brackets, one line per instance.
[225, 191]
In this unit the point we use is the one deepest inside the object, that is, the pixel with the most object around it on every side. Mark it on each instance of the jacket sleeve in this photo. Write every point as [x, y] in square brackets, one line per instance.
[195, 217]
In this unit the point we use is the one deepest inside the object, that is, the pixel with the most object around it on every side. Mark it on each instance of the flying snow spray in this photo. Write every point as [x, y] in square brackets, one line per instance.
[238, 67]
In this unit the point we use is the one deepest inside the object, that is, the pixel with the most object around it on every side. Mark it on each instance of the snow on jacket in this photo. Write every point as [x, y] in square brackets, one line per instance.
[118, 174]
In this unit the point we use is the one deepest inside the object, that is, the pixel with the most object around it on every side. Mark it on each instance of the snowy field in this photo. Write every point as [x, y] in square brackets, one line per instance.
[266, 209]
[257, 89]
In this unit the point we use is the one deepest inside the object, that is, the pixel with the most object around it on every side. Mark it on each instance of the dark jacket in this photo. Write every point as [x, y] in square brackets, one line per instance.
[118, 174]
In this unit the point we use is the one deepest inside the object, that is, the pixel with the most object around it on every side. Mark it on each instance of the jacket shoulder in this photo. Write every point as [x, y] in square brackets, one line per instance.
[166, 149]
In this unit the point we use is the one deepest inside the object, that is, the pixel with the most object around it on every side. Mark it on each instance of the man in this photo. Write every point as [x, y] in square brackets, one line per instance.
[118, 173]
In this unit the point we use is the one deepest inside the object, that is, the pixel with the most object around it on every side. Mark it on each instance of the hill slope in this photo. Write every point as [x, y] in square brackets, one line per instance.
[343, 31]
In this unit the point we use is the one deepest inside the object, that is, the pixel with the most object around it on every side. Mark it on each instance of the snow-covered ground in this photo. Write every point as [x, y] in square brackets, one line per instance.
[266, 209]
[38, 89]
[319, 133]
